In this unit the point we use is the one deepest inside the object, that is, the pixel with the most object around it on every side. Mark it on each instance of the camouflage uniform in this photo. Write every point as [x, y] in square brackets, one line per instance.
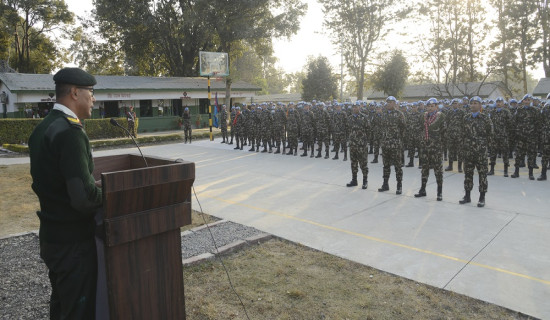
[412, 139]
[454, 136]
[433, 133]
[502, 122]
[232, 115]
[526, 121]
[266, 124]
[308, 131]
[358, 151]
[323, 132]
[292, 131]
[477, 134]
[545, 140]
[187, 125]
[239, 123]
[339, 130]
[223, 125]
[279, 120]
[393, 129]
[376, 129]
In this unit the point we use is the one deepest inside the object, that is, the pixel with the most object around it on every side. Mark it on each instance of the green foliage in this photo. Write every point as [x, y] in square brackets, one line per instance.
[17, 131]
[319, 83]
[356, 26]
[392, 76]
[103, 129]
[29, 21]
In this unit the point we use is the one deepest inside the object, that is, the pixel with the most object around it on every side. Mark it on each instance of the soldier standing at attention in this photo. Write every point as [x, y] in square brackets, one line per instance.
[502, 122]
[526, 121]
[292, 130]
[358, 151]
[340, 127]
[477, 133]
[232, 115]
[454, 119]
[131, 118]
[187, 124]
[223, 124]
[432, 146]
[238, 122]
[545, 138]
[308, 131]
[376, 125]
[414, 126]
[393, 128]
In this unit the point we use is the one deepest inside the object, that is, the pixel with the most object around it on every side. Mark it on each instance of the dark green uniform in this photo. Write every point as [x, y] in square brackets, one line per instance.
[477, 134]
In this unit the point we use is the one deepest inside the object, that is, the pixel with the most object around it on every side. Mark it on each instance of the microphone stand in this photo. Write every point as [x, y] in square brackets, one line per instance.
[116, 124]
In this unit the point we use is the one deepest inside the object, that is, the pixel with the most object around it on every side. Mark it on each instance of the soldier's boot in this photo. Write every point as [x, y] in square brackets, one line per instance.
[422, 191]
[223, 141]
[522, 163]
[318, 153]
[411, 162]
[257, 147]
[237, 147]
[466, 198]
[345, 154]
[531, 176]
[283, 148]
[481, 202]
[450, 166]
[506, 170]
[335, 155]
[516, 173]
[326, 154]
[492, 171]
[371, 151]
[375, 160]
[296, 151]
[460, 166]
[439, 192]
[399, 188]
[231, 140]
[278, 150]
[241, 145]
[270, 147]
[353, 181]
[385, 186]
[265, 149]
[364, 186]
[312, 151]
[542, 174]
[244, 143]
[289, 152]
[252, 148]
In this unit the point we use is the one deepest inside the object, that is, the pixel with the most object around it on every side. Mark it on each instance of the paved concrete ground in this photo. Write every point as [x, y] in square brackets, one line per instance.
[499, 253]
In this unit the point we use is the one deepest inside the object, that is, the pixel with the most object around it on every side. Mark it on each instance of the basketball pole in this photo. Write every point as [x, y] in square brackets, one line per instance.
[210, 110]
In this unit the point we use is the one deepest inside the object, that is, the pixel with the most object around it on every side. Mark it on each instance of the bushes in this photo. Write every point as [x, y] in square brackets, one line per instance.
[18, 131]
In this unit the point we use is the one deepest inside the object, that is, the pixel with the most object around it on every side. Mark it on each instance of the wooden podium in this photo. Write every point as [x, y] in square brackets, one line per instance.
[144, 208]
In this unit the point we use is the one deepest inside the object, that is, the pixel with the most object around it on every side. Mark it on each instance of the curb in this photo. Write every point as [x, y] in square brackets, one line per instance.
[19, 234]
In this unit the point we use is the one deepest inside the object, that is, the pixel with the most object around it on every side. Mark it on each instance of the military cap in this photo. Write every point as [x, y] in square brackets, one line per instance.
[527, 96]
[476, 98]
[548, 97]
[513, 101]
[391, 98]
[499, 99]
[431, 100]
[74, 76]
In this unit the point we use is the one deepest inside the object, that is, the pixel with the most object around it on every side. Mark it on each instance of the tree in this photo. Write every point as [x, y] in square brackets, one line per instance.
[319, 84]
[392, 75]
[30, 21]
[542, 54]
[355, 26]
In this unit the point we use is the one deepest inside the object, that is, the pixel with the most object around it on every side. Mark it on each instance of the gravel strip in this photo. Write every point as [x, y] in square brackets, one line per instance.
[224, 233]
[24, 284]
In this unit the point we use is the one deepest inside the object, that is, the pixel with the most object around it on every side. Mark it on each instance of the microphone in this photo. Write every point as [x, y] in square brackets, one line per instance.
[116, 124]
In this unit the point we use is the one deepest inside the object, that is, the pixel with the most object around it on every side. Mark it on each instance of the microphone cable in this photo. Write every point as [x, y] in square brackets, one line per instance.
[218, 255]
[116, 124]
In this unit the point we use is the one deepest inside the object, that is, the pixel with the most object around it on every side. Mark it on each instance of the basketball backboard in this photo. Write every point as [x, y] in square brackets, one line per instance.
[213, 63]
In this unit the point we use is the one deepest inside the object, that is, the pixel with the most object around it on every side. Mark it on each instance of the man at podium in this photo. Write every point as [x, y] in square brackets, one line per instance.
[61, 169]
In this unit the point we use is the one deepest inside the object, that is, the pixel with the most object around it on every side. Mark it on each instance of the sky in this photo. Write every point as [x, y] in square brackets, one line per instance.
[309, 41]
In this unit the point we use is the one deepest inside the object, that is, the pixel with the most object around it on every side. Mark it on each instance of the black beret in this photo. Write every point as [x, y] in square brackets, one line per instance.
[74, 76]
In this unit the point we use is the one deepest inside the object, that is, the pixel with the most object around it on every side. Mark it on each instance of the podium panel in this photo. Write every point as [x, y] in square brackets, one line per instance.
[144, 208]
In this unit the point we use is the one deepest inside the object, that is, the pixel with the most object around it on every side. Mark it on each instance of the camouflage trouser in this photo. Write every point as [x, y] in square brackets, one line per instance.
[132, 128]
[224, 132]
[324, 138]
[528, 148]
[545, 152]
[187, 131]
[500, 145]
[358, 156]
[478, 162]
[340, 141]
[432, 158]
[292, 140]
[455, 149]
[392, 157]
[376, 146]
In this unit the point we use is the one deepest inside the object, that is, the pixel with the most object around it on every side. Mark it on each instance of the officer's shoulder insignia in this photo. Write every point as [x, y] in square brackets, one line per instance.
[73, 121]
